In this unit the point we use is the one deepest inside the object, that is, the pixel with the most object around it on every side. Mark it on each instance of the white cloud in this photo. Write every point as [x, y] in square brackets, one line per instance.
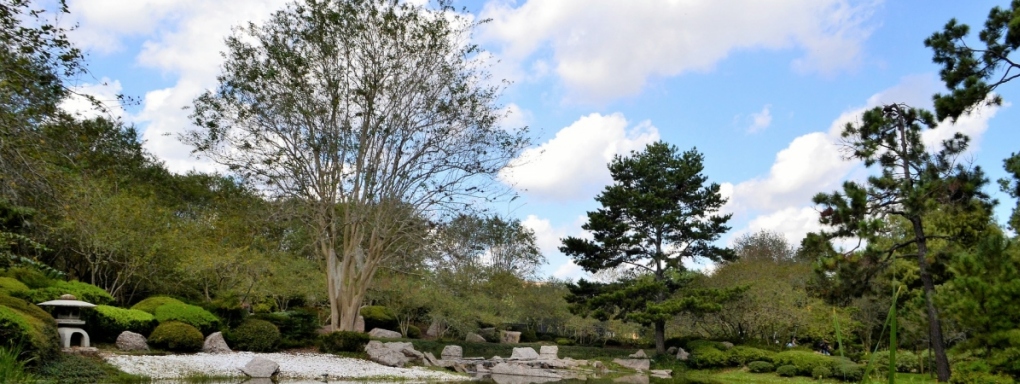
[569, 271]
[760, 120]
[547, 237]
[574, 162]
[973, 125]
[602, 49]
[105, 92]
[515, 117]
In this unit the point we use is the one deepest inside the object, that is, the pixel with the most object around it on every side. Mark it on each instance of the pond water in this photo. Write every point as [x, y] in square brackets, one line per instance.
[481, 379]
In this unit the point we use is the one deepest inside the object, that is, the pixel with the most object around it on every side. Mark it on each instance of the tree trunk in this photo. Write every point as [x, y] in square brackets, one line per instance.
[660, 337]
[935, 327]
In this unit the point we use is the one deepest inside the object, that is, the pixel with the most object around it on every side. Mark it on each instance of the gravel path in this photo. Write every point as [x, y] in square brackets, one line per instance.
[292, 366]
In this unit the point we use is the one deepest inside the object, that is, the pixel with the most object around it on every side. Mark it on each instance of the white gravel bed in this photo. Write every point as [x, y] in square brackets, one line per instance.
[292, 366]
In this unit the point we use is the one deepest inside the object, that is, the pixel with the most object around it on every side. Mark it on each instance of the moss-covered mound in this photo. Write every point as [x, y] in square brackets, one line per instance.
[149, 305]
[177, 337]
[254, 335]
[189, 314]
[81, 291]
[104, 323]
[23, 323]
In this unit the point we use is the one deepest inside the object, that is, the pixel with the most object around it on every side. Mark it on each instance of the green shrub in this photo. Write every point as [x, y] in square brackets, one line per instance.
[377, 316]
[906, 361]
[191, 314]
[10, 285]
[761, 367]
[708, 357]
[77, 369]
[295, 326]
[787, 370]
[230, 312]
[564, 341]
[343, 341]
[847, 371]
[81, 291]
[150, 304]
[821, 372]
[741, 355]
[177, 337]
[528, 336]
[31, 277]
[976, 371]
[104, 323]
[26, 326]
[697, 344]
[413, 332]
[254, 335]
[805, 361]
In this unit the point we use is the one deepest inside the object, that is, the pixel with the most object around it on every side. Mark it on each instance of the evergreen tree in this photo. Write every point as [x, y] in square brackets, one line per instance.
[912, 184]
[658, 212]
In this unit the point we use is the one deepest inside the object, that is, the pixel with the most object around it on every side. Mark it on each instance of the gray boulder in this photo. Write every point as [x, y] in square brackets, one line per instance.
[433, 331]
[380, 333]
[671, 351]
[431, 359]
[526, 353]
[474, 338]
[635, 364]
[214, 343]
[727, 345]
[661, 373]
[130, 341]
[682, 355]
[509, 337]
[640, 354]
[548, 352]
[452, 352]
[260, 368]
[380, 353]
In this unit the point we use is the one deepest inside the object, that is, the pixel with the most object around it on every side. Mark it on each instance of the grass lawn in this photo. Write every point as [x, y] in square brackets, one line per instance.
[740, 376]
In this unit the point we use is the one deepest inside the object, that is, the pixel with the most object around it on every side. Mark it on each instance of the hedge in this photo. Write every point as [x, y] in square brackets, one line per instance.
[708, 357]
[150, 304]
[805, 361]
[741, 355]
[295, 326]
[821, 372]
[906, 361]
[377, 316]
[189, 314]
[31, 277]
[847, 371]
[37, 336]
[105, 322]
[254, 335]
[787, 370]
[10, 285]
[177, 337]
[343, 341]
[761, 367]
[81, 291]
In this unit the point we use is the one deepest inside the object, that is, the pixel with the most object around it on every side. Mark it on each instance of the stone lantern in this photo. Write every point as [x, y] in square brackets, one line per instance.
[67, 313]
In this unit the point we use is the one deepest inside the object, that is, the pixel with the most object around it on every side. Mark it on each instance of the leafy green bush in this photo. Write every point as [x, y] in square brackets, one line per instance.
[78, 369]
[528, 336]
[906, 361]
[821, 372]
[228, 310]
[697, 344]
[847, 371]
[81, 291]
[37, 337]
[805, 361]
[10, 285]
[191, 314]
[104, 323]
[741, 355]
[31, 277]
[708, 357]
[976, 371]
[760, 367]
[787, 370]
[254, 335]
[413, 332]
[343, 341]
[564, 341]
[150, 304]
[177, 337]
[297, 327]
[377, 316]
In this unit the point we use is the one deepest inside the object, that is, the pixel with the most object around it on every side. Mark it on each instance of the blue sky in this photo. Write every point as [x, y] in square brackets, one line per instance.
[761, 88]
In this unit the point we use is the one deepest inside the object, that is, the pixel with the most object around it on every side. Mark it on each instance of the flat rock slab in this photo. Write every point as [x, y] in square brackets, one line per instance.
[509, 337]
[260, 368]
[525, 353]
[635, 364]
[520, 370]
[640, 354]
[548, 352]
[380, 333]
[661, 373]
[452, 352]
[474, 338]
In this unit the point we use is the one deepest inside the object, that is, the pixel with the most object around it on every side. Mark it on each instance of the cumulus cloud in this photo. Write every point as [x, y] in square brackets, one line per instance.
[603, 49]
[573, 162]
[814, 162]
[105, 92]
[760, 120]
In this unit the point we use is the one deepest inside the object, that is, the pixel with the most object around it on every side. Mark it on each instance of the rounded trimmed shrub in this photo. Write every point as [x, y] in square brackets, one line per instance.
[821, 372]
[787, 370]
[708, 357]
[847, 371]
[254, 335]
[37, 336]
[564, 341]
[413, 332]
[81, 291]
[741, 355]
[191, 314]
[805, 361]
[760, 367]
[177, 337]
[150, 304]
[377, 316]
[343, 341]
[105, 322]
[906, 361]
[31, 277]
[295, 326]
[10, 286]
